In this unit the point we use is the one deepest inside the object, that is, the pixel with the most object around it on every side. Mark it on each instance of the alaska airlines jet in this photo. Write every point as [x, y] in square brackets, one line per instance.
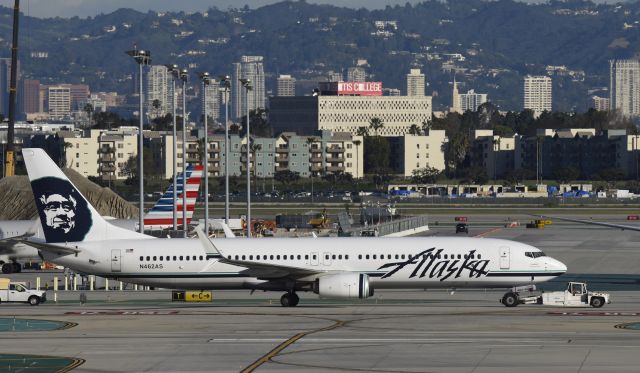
[79, 238]
[160, 216]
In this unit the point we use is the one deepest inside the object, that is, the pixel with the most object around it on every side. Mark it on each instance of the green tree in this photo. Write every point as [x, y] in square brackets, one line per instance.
[88, 108]
[377, 153]
[566, 174]
[426, 175]
[376, 124]
[414, 130]
[362, 131]
[286, 176]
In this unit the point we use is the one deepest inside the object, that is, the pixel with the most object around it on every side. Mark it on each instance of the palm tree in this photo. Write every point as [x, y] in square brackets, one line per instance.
[376, 124]
[357, 144]
[414, 129]
[362, 131]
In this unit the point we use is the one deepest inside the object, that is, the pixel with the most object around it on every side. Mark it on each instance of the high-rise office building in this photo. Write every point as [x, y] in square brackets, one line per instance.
[471, 100]
[252, 68]
[356, 74]
[59, 101]
[286, 86]
[158, 97]
[625, 86]
[537, 94]
[415, 83]
[31, 96]
[333, 76]
[212, 102]
[79, 95]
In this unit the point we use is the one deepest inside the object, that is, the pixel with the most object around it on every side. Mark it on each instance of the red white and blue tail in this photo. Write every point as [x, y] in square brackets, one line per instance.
[161, 214]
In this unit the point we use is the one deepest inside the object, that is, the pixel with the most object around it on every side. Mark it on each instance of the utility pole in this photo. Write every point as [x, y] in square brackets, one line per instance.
[184, 76]
[174, 71]
[246, 83]
[9, 159]
[206, 80]
[225, 81]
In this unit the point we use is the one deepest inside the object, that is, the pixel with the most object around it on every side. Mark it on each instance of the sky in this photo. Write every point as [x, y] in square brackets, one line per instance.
[85, 8]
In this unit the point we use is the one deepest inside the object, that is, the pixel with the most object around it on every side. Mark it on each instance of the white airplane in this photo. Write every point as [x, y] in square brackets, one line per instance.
[160, 216]
[331, 267]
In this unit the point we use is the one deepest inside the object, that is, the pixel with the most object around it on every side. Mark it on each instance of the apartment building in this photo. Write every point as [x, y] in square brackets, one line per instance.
[413, 152]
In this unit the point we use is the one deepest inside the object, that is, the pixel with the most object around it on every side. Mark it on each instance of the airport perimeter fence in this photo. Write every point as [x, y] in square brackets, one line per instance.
[394, 226]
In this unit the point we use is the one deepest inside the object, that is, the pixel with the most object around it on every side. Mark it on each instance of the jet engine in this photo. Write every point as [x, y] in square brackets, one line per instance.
[347, 285]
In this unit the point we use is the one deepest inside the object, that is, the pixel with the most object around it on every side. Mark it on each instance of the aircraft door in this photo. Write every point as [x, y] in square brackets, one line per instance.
[116, 260]
[505, 258]
[327, 258]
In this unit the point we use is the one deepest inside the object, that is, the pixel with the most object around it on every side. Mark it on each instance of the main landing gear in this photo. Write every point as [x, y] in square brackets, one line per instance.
[8, 268]
[289, 299]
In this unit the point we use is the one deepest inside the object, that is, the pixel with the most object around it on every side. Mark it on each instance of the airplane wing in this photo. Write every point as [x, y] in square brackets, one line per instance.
[263, 271]
[591, 222]
[52, 248]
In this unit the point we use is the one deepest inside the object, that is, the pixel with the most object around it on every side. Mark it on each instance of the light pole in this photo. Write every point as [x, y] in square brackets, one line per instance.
[142, 58]
[175, 72]
[246, 83]
[206, 80]
[184, 76]
[225, 81]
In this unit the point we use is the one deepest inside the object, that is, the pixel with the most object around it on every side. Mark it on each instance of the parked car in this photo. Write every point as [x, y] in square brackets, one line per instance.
[462, 228]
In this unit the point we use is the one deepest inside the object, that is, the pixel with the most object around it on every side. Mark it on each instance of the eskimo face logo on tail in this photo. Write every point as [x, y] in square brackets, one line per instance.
[64, 213]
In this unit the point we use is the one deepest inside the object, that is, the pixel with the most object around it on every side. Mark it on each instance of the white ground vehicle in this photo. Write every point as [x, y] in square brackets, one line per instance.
[18, 292]
[575, 295]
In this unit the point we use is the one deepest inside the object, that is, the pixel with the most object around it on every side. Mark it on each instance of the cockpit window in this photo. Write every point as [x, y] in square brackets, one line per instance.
[534, 254]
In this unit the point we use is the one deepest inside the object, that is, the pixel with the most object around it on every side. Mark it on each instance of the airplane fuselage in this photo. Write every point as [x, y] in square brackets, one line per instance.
[391, 263]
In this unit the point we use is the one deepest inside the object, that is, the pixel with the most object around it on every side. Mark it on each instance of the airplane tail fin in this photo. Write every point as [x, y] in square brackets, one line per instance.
[160, 216]
[65, 214]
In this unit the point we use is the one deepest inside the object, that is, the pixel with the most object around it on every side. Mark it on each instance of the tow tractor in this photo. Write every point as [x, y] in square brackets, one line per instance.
[575, 295]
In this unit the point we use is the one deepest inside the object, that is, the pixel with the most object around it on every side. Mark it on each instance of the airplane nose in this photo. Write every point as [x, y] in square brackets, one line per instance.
[556, 265]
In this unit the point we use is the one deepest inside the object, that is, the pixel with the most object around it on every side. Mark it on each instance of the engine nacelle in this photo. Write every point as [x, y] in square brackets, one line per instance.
[347, 285]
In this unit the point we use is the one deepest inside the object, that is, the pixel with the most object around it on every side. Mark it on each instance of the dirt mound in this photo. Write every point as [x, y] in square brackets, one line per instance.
[16, 198]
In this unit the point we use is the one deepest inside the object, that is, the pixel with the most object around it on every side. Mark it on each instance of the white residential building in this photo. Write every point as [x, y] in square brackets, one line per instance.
[159, 91]
[625, 86]
[537, 94]
[471, 100]
[415, 83]
[286, 85]
[413, 152]
[59, 101]
[251, 68]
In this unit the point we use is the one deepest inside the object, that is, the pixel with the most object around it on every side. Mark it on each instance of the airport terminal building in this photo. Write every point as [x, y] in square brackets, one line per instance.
[347, 106]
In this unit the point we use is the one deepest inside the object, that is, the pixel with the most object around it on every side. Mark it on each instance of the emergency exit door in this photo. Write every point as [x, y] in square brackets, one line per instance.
[116, 260]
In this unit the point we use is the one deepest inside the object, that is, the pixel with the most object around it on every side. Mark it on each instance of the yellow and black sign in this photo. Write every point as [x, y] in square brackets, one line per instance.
[192, 296]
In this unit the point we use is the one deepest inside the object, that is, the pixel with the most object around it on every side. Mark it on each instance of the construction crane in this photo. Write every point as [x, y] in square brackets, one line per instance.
[9, 157]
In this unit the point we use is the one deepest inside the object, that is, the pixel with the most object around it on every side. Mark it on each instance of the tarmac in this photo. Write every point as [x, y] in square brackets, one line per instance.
[394, 331]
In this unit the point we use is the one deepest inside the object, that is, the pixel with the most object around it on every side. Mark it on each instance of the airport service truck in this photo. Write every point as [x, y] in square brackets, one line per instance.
[575, 295]
[18, 292]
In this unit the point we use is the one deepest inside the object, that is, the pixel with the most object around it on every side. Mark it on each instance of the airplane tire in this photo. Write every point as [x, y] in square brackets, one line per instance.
[597, 302]
[295, 298]
[289, 300]
[510, 300]
[7, 268]
[33, 300]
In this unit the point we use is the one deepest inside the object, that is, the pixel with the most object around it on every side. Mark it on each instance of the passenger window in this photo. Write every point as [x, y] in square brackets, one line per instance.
[271, 257]
[459, 256]
[250, 257]
[445, 256]
[175, 258]
[340, 257]
[326, 257]
[195, 257]
[161, 257]
[278, 257]
[314, 257]
[155, 258]
[299, 257]
[141, 258]
[374, 256]
[367, 256]
[187, 257]
[148, 258]
[243, 257]
[397, 256]
[201, 257]
[333, 256]
[389, 256]
[181, 257]
[359, 256]
[306, 257]
[479, 256]
[346, 257]
[402, 256]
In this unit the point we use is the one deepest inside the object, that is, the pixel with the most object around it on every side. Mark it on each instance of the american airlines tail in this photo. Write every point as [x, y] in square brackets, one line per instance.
[161, 215]
[65, 215]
